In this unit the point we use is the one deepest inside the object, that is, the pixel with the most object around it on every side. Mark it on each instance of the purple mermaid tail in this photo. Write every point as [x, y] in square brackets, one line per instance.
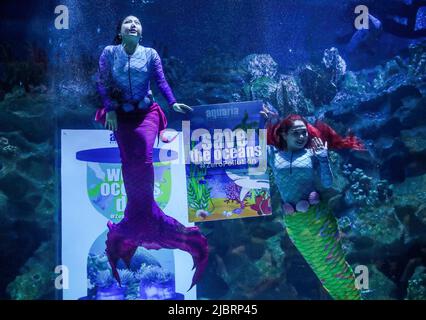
[144, 223]
[124, 238]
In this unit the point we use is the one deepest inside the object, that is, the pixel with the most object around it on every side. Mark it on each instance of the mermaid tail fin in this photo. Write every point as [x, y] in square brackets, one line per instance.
[316, 236]
[188, 239]
[173, 235]
[117, 247]
[198, 248]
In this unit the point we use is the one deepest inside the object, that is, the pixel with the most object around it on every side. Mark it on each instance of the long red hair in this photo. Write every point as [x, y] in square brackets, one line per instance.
[319, 130]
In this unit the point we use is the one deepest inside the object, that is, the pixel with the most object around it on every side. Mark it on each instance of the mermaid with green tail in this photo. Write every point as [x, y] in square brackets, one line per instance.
[297, 152]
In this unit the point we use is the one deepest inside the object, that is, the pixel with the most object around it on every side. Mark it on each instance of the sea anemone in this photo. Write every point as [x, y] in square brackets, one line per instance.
[127, 277]
[153, 274]
[104, 279]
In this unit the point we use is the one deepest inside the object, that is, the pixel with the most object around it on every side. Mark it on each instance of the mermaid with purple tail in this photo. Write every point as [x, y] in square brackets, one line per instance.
[125, 70]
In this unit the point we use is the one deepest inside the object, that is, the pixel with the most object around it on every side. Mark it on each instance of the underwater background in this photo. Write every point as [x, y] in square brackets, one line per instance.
[302, 56]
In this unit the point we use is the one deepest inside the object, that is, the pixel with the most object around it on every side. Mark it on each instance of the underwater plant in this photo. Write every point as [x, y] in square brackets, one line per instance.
[199, 193]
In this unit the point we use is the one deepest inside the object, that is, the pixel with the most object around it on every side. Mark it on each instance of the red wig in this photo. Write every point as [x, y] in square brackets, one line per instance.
[319, 130]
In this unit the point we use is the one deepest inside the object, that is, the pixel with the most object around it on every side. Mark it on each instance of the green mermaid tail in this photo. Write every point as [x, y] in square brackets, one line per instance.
[316, 236]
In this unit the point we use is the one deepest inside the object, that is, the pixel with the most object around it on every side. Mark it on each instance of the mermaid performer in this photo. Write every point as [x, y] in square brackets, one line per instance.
[295, 151]
[125, 70]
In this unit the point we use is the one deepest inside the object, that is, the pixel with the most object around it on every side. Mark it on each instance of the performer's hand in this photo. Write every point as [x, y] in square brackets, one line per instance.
[111, 120]
[269, 112]
[320, 149]
[182, 108]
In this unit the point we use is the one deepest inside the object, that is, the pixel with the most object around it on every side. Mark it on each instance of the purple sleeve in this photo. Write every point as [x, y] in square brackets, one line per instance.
[161, 79]
[104, 80]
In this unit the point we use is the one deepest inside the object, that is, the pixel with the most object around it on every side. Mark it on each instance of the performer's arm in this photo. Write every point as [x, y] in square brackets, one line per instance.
[161, 79]
[325, 172]
[104, 81]
[321, 152]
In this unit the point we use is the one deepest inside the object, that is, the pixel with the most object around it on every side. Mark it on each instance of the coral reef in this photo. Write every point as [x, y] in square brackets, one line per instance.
[37, 277]
[153, 274]
[290, 98]
[143, 268]
[417, 285]
[334, 64]
[365, 190]
[259, 66]
[233, 195]
[198, 190]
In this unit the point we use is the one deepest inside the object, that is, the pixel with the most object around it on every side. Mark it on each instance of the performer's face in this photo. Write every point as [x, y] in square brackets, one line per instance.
[297, 136]
[131, 26]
